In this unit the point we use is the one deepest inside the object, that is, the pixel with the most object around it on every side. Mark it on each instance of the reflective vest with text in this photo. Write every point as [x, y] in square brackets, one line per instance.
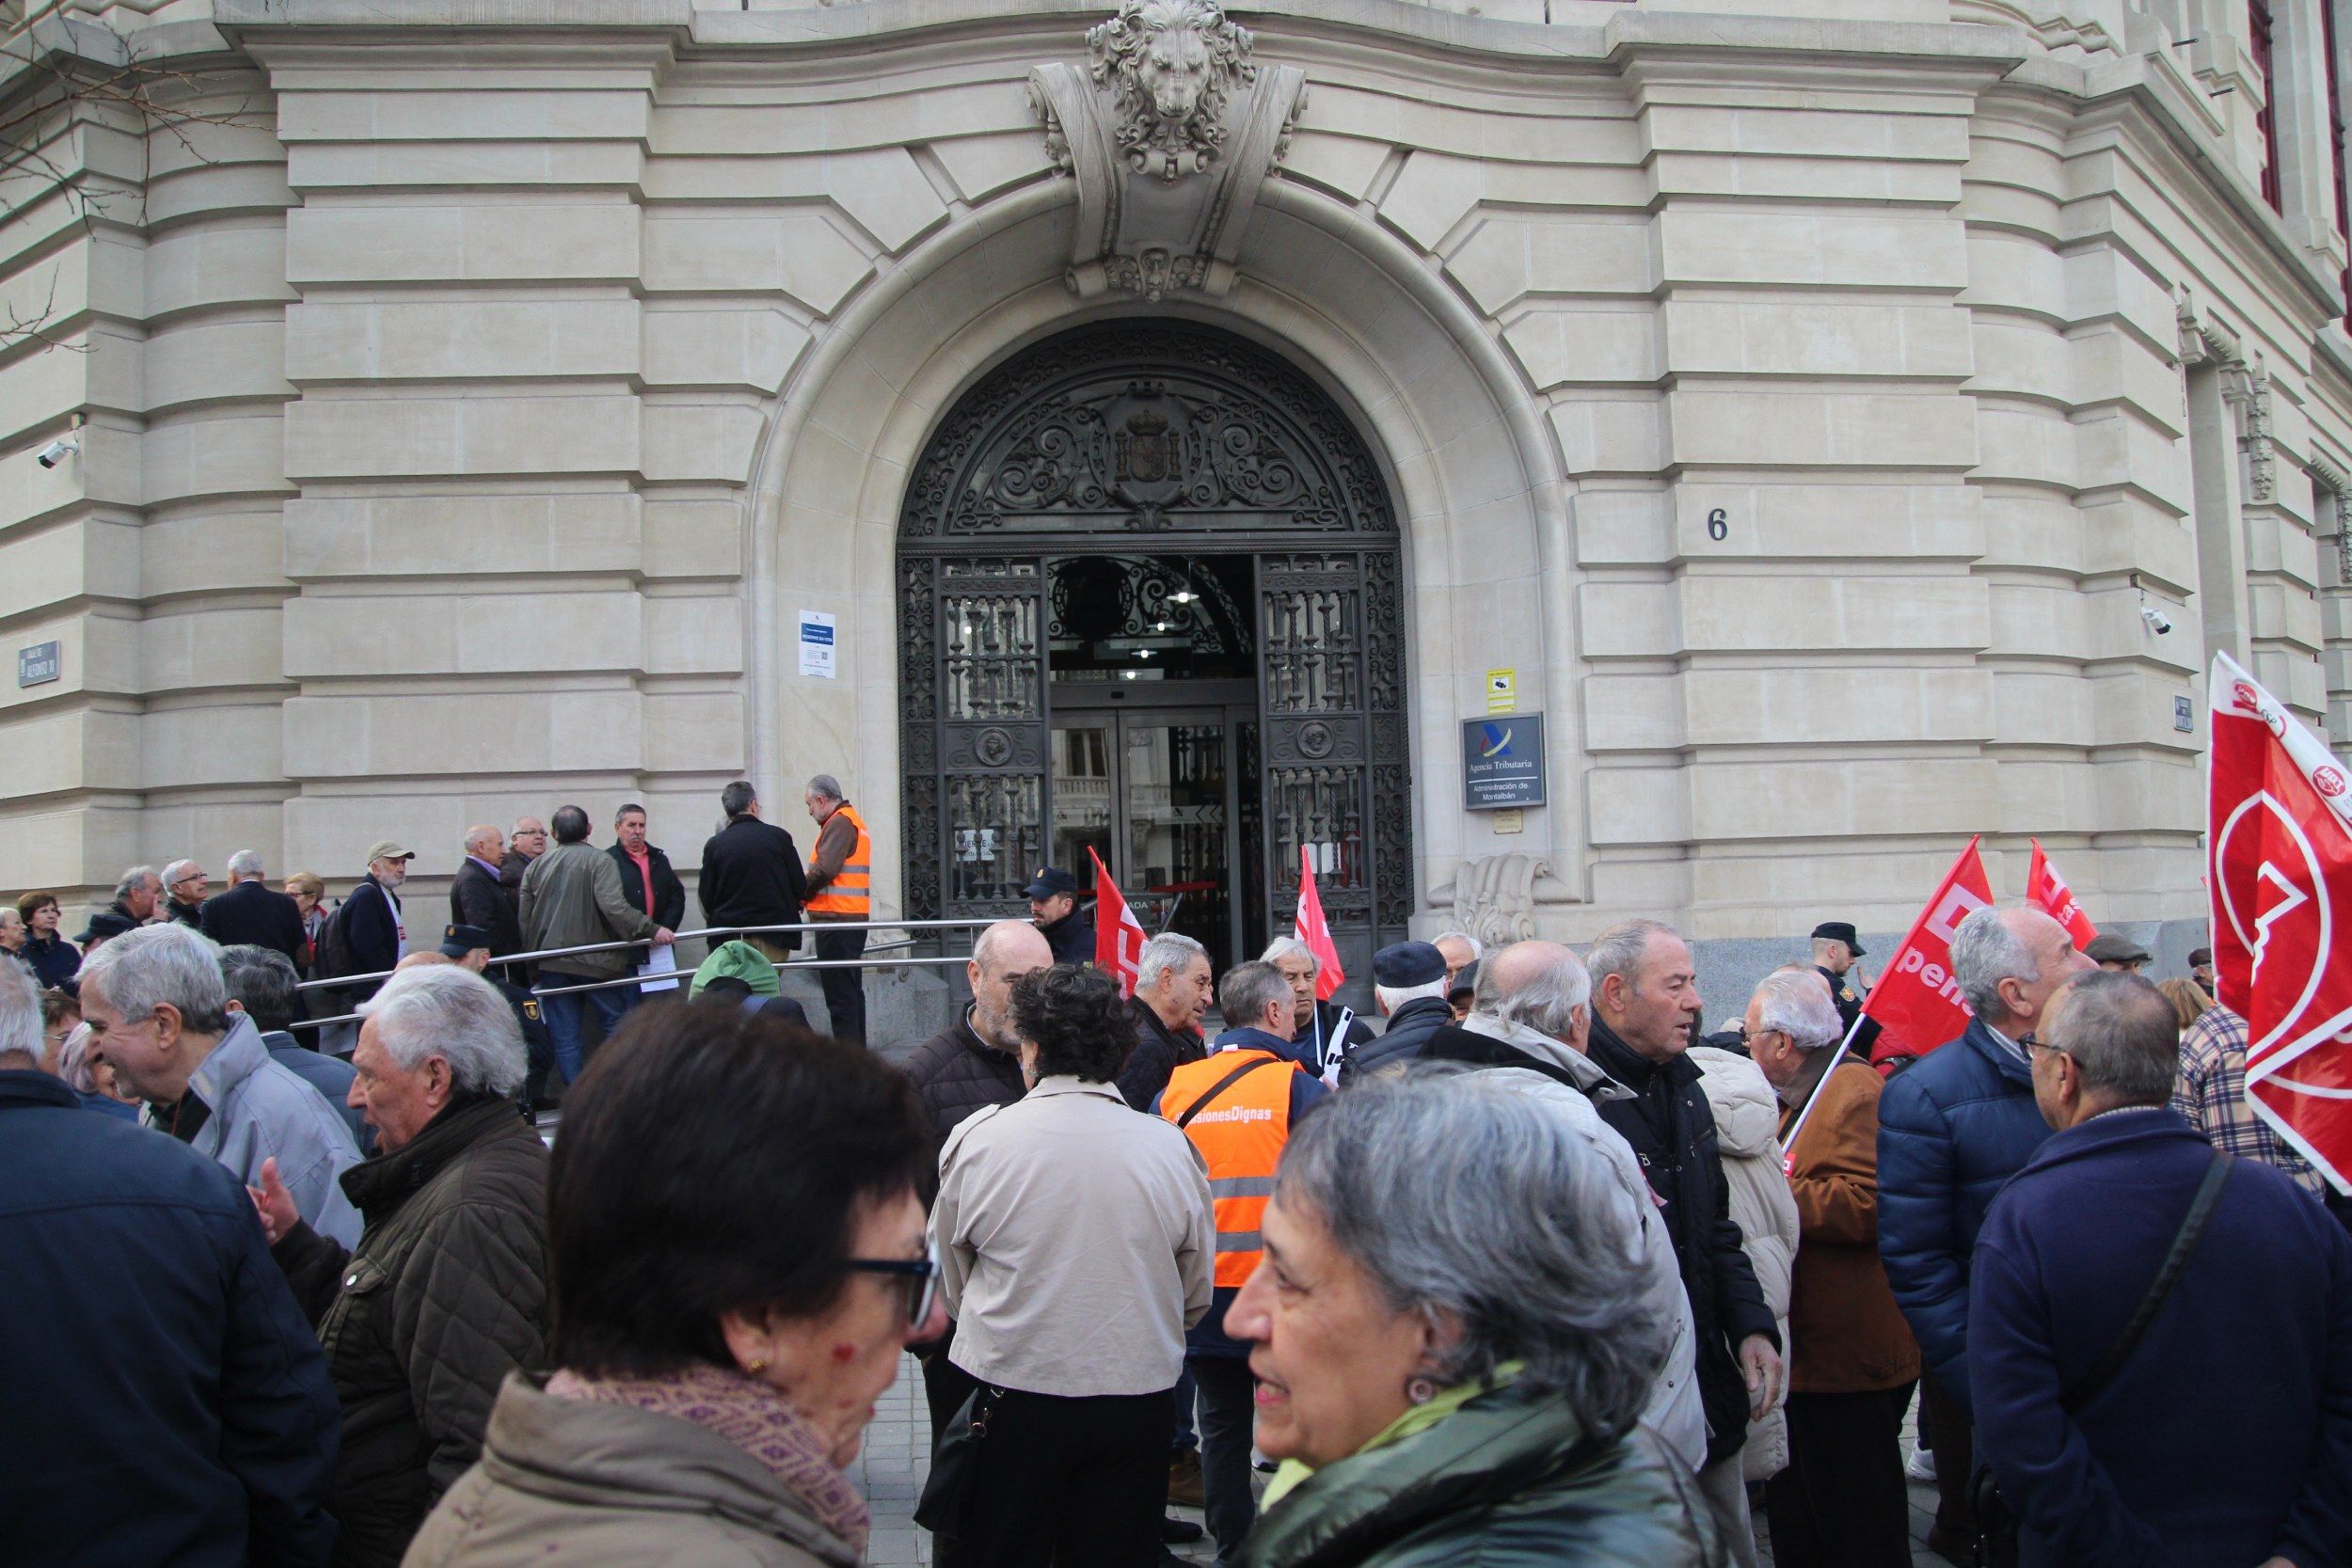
[1241, 1134]
[849, 893]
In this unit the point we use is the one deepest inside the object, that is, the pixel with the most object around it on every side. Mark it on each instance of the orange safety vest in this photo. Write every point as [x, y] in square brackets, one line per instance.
[850, 891]
[1241, 1134]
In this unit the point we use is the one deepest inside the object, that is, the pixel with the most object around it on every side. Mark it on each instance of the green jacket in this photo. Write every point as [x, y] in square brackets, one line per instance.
[1506, 1481]
[571, 896]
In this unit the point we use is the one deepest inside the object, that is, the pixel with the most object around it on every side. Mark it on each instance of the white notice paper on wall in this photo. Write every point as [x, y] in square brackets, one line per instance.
[817, 644]
[661, 960]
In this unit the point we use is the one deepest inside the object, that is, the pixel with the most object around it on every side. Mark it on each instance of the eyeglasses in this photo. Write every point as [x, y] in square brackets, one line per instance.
[921, 1275]
[2032, 1045]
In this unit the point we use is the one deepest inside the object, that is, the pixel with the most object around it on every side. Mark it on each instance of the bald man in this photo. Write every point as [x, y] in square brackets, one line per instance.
[478, 896]
[972, 1064]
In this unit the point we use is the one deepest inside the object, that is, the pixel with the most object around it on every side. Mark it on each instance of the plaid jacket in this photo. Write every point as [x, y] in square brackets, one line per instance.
[2211, 1093]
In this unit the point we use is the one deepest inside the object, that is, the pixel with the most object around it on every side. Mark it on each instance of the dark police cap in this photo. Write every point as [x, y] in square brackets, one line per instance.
[1839, 930]
[1408, 963]
[1049, 882]
[459, 941]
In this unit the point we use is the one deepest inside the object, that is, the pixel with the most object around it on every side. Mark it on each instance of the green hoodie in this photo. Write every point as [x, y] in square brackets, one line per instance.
[737, 960]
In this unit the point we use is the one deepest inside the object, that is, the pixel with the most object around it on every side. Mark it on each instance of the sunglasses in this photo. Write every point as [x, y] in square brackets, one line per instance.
[921, 1275]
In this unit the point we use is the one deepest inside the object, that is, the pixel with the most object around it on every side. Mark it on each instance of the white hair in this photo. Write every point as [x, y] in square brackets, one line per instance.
[442, 1010]
[1282, 948]
[1478, 949]
[21, 1033]
[245, 862]
[176, 870]
[1393, 997]
[1620, 949]
[134, 879]
[1545, 1001]
[155, 965]
[1163, 955]
[1796, 1002]
[826, 787]
[1986, 951]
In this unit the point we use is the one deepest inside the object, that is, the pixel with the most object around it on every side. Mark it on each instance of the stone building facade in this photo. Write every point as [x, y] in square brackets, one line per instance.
[1802, 399]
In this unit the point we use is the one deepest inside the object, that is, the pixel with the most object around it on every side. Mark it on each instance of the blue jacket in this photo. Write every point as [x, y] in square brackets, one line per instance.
[330, 1075]
[2227, 1436]
[165, 1401]
[1208, 1335]
[1952, 1129]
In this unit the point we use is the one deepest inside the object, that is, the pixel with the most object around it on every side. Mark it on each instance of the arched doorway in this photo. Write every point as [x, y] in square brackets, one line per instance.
[1149, 603]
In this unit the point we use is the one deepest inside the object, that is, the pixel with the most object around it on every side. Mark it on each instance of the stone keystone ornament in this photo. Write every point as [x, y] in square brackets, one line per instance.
[1169, 130]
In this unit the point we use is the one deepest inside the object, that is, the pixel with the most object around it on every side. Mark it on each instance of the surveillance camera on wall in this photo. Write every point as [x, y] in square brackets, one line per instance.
[2157, 620]
[57, 451]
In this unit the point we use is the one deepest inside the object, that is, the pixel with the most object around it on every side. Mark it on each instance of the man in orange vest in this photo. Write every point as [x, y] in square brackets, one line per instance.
[1237, 1105]
[840, 883]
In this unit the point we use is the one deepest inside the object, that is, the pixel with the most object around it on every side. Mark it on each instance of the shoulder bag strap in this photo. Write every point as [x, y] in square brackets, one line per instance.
[1220, 1086]
[2192, 1230]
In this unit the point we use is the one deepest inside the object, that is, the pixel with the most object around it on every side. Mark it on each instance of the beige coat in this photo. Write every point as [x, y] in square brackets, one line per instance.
[1747, 1118]
[586, 1485]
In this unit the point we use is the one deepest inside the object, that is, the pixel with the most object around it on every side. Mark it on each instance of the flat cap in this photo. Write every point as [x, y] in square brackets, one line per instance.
[1403, 964]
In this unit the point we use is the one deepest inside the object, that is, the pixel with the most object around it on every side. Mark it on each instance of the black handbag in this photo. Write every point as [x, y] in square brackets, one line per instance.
[955, 1465]
[1996, 1522]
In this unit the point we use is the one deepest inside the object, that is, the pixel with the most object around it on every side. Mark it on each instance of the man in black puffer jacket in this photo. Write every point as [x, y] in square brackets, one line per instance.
[970, 1065]
[1408, 982]
[1645, 1001]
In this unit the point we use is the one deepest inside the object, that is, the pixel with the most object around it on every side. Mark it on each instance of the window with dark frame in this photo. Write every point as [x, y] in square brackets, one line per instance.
[2267, 120]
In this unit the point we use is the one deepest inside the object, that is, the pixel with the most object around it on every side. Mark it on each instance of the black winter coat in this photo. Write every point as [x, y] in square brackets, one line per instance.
[254, 914]
[1159, 1052]
[372, 935]
[1071, 938]
[668, 894]
[955, 1074]
[1671, 1130]
[476, 898]
[1409, 1028]
[165, 1401]
[446, 1293]
[751, 875]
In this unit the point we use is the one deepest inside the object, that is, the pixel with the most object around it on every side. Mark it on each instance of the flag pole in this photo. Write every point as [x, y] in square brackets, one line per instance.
[1789, 1144]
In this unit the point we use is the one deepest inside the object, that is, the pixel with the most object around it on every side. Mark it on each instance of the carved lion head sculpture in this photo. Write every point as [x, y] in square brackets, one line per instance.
[1172, 64]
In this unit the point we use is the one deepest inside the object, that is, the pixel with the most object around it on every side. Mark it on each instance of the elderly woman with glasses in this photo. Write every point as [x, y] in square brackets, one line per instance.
[736, 1225]
[1448, 1344]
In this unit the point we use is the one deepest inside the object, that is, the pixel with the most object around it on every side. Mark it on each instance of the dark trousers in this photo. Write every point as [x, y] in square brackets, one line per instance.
[845, 989]
[1842, 1502]
[1955, 1455]
[1078, 1482]
[1228, 1416]
[945, 1386]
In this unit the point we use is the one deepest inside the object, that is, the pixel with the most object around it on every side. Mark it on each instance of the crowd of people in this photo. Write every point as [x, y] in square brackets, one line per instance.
[1533, 1272]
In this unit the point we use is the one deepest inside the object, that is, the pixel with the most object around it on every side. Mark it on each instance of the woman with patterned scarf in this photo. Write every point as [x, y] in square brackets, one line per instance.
[737, 1229]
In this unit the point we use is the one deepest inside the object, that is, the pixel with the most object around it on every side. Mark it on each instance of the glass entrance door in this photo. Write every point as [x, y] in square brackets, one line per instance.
[1152, 791]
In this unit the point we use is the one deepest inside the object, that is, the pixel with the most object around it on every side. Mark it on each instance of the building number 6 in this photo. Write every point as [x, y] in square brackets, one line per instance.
[1718, 527]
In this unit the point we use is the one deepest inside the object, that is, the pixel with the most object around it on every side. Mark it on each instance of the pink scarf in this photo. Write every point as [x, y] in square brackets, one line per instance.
[753, 1416]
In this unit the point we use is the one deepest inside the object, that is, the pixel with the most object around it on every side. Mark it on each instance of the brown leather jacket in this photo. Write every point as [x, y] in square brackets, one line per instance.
[1849, 1337]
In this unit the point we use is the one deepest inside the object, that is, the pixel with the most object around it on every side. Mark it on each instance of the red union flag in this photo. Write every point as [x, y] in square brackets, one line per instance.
[2046, 890]
[1316, 931]
[1917, 1001]
[1118, 934]
[2279, 848]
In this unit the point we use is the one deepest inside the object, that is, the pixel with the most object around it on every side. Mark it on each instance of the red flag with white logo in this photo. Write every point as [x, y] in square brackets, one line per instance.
[2278, 849]
[2047, 891]
[1917, 1001]
[1316, 931]
[1118, 934]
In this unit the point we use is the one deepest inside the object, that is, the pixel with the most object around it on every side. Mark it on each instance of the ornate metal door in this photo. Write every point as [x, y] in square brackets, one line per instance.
[1169, 438]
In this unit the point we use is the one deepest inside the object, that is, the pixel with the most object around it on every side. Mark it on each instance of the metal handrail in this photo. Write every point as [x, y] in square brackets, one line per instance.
[684, 978]
[342, 981]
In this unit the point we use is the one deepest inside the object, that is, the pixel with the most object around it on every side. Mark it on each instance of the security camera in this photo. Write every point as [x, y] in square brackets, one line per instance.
[57, 451]
[2157, 620]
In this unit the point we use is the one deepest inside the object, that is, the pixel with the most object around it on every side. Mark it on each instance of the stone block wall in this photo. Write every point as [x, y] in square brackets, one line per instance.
[1804, 399]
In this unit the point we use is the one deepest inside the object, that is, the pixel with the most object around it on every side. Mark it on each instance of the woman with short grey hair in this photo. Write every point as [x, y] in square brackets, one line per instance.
[1450, 1365]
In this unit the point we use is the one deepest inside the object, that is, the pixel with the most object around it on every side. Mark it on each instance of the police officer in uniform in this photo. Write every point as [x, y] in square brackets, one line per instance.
[1052, 896]
[1835, 949]
[469, 947]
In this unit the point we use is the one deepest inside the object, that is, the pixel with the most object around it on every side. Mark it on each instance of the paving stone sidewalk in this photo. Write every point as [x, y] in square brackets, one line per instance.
[897, 1457]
